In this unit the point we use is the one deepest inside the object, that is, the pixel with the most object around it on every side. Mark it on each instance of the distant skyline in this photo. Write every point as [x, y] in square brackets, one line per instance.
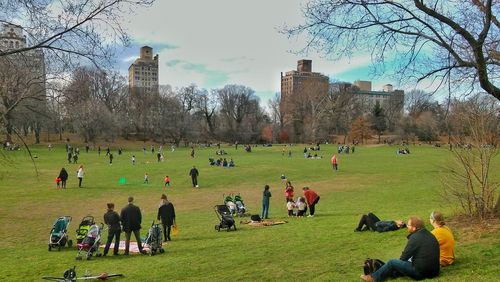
[214, 43]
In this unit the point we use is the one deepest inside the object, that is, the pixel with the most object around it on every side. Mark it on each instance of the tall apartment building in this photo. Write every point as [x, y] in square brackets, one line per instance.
[22, 75]
[296, 84]
[143, 73]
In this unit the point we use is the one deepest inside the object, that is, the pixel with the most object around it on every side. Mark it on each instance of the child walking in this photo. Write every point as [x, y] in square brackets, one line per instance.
[167, 180]
[146, 178]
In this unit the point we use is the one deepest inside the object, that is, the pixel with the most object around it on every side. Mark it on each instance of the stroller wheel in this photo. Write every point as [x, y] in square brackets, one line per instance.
[162, 251]
[153, 252]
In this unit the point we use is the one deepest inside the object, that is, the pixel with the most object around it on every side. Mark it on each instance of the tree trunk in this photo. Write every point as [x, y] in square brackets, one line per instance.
[496, 211]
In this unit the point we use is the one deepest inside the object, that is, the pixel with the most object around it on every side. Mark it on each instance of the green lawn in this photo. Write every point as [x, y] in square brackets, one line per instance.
[323, 248]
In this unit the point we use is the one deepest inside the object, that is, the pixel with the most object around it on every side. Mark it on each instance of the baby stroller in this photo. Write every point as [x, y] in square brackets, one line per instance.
[59, 234]
[90, 245]
[153, 239]
[225, 217]
[240, 206]
[83, 228]
[228, 201]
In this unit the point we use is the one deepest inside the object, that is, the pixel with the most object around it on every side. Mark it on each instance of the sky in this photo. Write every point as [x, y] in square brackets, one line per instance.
[219, 42]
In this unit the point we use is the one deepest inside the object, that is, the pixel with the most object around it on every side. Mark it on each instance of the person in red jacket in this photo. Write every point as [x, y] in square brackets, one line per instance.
[312, 198]
[334, 162]
[289, 191]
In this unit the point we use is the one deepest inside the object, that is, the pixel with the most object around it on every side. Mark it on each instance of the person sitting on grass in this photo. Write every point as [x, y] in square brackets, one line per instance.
[445, 238]
[371, 222]
[419, 260]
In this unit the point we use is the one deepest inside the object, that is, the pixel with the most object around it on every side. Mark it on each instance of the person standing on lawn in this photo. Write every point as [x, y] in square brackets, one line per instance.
[194, 176]
[112, 220]
[131, 219]
[166, 213]
[266, 195]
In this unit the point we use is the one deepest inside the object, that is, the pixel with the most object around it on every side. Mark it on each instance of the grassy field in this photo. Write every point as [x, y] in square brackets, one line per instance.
[323, 248]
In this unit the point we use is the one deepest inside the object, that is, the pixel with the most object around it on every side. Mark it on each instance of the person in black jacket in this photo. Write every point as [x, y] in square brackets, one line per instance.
[194, 176]
[112, 220]
[166, 213]
[131, 218]
[371, 221]
[64, 176]
[423, 250]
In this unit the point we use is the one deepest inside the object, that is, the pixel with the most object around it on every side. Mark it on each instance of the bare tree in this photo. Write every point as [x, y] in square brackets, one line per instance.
[439, 39]
[468, 180]
[238, 105]
[70, 29]
[206, 105]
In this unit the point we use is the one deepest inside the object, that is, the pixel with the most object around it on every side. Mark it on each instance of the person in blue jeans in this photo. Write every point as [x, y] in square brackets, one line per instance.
[423, 250]
[265, 202]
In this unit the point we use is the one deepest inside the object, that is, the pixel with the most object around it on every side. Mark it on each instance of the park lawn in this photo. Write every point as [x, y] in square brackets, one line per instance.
[323, 248]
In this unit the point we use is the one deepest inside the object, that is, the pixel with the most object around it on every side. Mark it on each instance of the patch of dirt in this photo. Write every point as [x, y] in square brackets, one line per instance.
[471, 229]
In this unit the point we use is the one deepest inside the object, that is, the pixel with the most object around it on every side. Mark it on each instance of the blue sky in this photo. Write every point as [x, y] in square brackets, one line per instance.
[219, 42]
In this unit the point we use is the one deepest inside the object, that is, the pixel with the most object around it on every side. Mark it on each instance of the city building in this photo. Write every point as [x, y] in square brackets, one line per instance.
[387, 97]
[301, 81]
[143, 73]
[22, 78]
[296, 87]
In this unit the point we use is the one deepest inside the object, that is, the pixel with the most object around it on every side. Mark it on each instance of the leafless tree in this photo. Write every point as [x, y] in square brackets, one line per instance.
[468, 180]
[239, 106]
[206, 105]
[447, 41]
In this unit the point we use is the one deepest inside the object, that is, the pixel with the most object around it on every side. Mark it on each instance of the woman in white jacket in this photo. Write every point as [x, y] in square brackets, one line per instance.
[79, 174]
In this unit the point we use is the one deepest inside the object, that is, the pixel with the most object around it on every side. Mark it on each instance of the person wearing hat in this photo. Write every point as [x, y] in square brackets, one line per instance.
[131, 218]
[166, 213]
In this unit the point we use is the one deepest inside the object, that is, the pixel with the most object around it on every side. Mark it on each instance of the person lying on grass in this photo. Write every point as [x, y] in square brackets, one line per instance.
[372, 222]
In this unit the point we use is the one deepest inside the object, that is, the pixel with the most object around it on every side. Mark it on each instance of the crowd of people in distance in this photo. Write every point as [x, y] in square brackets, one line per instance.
[8, 146]
[222, 162]
[345, 149]
[403, 151]
[308, 155]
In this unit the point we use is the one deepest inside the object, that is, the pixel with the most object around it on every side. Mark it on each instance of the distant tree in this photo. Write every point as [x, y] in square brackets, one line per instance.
[361, 129]
[378, 120]
[428, 39]
[206, 105]
[283, 136]
[267, 134]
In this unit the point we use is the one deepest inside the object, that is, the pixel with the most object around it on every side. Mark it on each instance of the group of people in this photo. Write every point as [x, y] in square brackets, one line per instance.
[425, 251]
[403, 151]
[63, 177]
[129, 221]
[223, 162]
[345, 149]
[295, 208]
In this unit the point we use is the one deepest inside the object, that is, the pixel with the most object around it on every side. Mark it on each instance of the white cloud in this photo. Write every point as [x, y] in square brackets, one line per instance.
[231, 41]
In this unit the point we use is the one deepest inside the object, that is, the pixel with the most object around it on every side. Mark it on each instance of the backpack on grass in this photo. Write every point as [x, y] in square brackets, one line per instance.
[372, 265]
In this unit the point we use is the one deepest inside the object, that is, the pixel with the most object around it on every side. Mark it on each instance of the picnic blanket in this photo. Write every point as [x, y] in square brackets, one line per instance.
[133, 247]
[262, 223]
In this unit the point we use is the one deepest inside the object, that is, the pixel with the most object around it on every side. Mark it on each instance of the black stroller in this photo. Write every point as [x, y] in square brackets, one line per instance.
[225, 217]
